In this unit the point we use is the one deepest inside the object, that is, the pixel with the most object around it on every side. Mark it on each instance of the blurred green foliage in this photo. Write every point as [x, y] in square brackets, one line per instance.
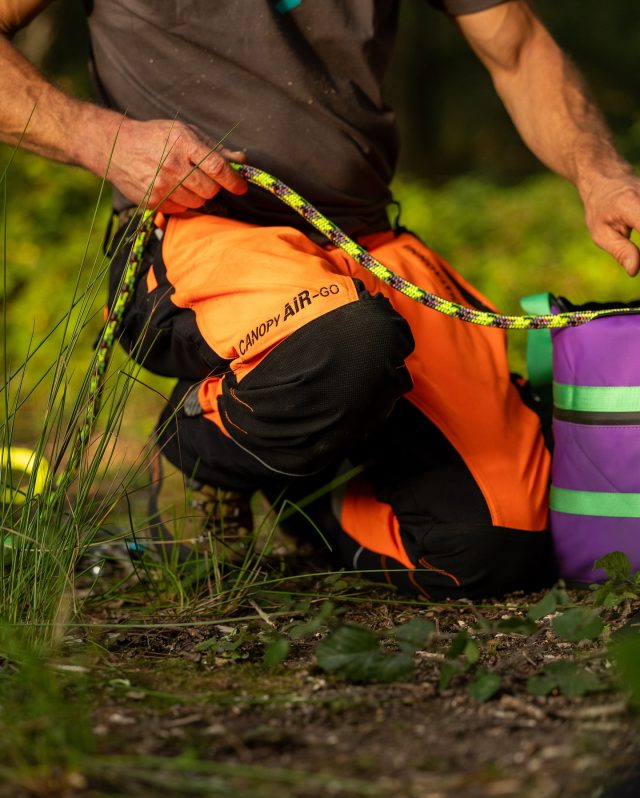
[48, 216]
[451, 120]
[515, 240]
[52, 222]
[49, 245]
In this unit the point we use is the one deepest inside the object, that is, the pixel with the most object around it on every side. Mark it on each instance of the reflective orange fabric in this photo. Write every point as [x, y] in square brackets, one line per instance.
[372, 523]
[250, 287]
[462, 383]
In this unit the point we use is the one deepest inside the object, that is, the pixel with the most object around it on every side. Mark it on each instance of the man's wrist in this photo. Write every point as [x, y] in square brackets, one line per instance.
[598, 166]
[96, 132]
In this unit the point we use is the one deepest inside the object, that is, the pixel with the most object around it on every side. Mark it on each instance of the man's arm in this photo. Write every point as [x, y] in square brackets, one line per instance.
[137, 155]
[551, 108]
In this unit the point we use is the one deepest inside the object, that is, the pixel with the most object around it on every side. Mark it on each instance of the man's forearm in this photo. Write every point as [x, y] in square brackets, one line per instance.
[47, 121]
[554, 113]
[552, 109]
[543, 93]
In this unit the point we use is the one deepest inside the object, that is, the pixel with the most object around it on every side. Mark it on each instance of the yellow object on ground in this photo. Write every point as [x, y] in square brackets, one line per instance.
[22, 464]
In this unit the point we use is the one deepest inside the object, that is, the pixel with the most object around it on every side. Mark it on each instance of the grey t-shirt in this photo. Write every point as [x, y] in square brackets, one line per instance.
[295, 83]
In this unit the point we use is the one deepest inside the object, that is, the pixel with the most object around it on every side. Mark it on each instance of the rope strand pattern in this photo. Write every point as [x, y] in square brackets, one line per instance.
[409, 289]
[104, 348]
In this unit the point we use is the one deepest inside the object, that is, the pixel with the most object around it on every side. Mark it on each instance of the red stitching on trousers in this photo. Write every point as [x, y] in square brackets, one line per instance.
[232, 391]
[425, 564]
[418, 587]
[234, 424]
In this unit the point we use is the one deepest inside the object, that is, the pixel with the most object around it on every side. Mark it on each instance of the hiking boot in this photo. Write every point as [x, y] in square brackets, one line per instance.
[190, 520]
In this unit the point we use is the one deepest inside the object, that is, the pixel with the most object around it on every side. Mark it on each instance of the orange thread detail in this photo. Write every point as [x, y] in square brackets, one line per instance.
[425, 564]
[383, 563]
[232, 391]
[233, 424]
[418, 587]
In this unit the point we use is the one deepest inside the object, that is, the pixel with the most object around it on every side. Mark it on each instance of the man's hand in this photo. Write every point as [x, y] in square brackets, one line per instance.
[612, 211]
[555, 115]
[161, 163]
[170, 165]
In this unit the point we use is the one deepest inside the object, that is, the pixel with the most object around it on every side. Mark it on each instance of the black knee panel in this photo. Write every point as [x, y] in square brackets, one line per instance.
[323, 389]
[482, 561]
[458, 561]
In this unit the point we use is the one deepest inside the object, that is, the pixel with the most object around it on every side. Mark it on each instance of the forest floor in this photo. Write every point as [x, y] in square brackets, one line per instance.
[182, 703]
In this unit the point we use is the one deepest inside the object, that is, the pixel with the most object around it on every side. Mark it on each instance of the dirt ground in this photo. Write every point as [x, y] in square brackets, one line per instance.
[183, 711]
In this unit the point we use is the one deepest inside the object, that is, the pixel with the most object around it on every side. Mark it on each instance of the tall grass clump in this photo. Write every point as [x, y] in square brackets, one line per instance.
[64, 477]
[51, 506]
[59, 489]
[56, 488]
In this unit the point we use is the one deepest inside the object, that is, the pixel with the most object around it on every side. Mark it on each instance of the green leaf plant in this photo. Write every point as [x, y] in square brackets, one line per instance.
[360, 655]
[569, 678]
[355, 653]
[620, 585]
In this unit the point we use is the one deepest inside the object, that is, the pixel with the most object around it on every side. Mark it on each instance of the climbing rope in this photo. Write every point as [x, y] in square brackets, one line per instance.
[453, 309]
[104, 348]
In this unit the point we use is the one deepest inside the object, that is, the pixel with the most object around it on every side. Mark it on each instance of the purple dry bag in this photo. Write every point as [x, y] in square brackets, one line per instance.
[595, 490]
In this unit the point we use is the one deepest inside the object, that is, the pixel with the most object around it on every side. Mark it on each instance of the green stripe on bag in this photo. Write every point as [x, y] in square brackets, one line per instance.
[539, 344]
[597, 399]
[600, 504]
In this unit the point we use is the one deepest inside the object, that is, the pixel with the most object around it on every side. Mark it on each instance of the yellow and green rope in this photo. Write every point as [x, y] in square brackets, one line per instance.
[472, 315]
